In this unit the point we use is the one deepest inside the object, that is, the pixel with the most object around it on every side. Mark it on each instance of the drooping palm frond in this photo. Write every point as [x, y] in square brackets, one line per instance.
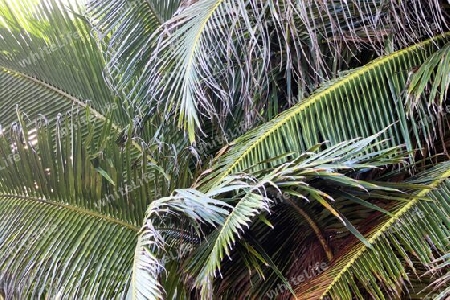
[196, 207]
[360, 104]
[418, 230]
[435, 70]
[123, 28]
[239, 198]
[43, 105]
[219, 57]
[66, 187]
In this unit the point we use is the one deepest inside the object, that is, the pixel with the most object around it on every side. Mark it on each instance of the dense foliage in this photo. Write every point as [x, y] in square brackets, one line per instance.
[224, 149]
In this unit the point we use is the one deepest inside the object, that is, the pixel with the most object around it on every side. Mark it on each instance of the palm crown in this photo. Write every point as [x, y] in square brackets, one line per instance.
[224, 149]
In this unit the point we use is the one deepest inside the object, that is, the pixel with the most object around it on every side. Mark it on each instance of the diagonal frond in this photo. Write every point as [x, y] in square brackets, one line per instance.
[40, 100]
[360, 104]
[219, 57]
[50, 250]
[417, 229]
[50, 41]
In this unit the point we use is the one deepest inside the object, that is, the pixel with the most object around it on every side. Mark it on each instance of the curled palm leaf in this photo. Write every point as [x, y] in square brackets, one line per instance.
[230, 208]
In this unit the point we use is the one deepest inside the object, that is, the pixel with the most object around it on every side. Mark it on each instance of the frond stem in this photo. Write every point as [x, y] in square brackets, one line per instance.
[76, 209]
[315, 228]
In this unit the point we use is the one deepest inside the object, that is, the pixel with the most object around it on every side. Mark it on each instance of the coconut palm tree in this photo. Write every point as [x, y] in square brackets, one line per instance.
[224, 149]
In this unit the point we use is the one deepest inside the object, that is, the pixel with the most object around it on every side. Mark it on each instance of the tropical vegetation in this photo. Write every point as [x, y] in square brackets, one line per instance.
[224, 149]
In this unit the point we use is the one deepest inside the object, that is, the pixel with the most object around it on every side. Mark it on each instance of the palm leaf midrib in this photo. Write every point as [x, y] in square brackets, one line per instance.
[283, 117]
[73, 208]
[65, 95]
[76, 101]
[375, 234]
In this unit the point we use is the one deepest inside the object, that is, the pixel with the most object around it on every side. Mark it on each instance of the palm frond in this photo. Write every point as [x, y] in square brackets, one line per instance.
[59, 156]
[123, 28]
[41, 101]
[49, 41]
[75, 170]
[51, 249]
[81, 195]
[427, 95]
[417, 231]
[360, 104]
[215, 57]
[45, 92]
[235, 202]
[440, 268]
[56, 238]
[315, 202]
[148, 265]
[434, 70]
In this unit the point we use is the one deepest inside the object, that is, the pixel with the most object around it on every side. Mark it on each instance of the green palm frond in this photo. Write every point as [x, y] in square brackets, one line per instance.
[44, 89]
[360, 104]
[70, 196]
[220, 57]
[231, 207]
[418, 230]
[124, 28]
[316, 202]
[196, 208]
[40, 101]
[90, 151]
[42, 105]
[76, 176]
[427, 95]
[50, 42]
[54, 250]
[435, 70]
[56, 238]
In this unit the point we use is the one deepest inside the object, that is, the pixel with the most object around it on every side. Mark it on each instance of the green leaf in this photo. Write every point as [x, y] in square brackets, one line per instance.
[105, 175]
[362, 103]
[416, 229]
